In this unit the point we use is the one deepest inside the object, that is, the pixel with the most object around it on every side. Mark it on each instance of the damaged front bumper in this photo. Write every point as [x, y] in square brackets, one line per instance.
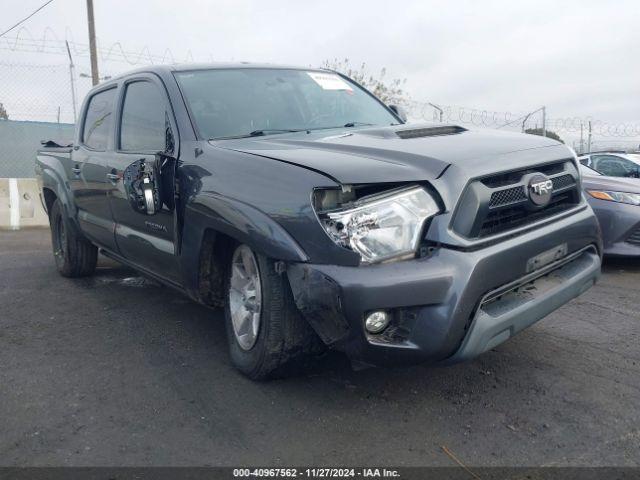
[454, 304]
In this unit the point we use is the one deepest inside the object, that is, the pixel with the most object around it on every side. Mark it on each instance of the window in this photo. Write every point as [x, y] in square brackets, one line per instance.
[614, 166]
[237, 102]
[144, 117]
[98, 120]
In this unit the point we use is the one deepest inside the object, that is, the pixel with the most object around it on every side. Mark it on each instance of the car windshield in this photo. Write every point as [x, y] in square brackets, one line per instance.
[261, 101]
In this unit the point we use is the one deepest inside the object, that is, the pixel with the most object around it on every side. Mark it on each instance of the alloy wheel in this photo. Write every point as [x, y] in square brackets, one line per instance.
[245, 297]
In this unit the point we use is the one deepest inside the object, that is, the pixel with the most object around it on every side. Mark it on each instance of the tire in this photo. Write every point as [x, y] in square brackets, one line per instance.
[285, 343]
[74, 255]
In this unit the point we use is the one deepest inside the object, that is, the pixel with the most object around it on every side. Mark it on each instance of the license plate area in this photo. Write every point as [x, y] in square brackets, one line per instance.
[545, 258]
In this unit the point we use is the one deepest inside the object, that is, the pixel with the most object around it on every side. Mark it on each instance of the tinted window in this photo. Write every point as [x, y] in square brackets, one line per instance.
[98, 121]
[614, 166]
[143, 118]
[236, 102]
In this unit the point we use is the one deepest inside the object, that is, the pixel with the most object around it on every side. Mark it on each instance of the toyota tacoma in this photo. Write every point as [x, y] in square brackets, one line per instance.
[317, 217]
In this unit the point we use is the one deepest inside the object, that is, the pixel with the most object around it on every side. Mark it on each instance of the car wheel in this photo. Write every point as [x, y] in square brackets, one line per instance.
[266, 333]
[74, 255]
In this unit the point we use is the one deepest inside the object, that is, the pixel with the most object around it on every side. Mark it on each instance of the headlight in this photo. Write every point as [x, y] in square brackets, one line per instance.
[382, 227]
[620, 197]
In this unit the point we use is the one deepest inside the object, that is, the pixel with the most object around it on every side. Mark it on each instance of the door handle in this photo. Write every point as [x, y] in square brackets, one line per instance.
[113, 177]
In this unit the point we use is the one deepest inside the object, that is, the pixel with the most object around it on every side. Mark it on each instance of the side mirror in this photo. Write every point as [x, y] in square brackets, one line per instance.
[400, 112]
[144, 186]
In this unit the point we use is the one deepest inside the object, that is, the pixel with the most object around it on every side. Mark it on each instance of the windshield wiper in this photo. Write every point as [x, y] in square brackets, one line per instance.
[260, 133]
[268, 131]
[350, 124]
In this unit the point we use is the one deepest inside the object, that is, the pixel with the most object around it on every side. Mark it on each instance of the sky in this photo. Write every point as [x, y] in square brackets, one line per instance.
[577, 58]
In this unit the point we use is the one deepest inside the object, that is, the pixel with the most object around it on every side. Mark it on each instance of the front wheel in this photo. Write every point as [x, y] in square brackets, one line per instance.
[266, 333]
[75, 256]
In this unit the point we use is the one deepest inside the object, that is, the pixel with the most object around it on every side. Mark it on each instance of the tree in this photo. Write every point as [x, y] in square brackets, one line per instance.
[391, 92]
[538, 131]
[3, 113]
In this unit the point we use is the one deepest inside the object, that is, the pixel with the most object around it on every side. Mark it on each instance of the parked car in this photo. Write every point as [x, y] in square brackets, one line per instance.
[307, 208]
[613, 164]
[616, 203]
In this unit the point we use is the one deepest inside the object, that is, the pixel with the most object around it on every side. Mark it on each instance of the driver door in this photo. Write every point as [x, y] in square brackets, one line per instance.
[144, 127]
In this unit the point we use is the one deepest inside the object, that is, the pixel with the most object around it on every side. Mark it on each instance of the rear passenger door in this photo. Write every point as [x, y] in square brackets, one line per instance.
[88, 167]
[145, 126]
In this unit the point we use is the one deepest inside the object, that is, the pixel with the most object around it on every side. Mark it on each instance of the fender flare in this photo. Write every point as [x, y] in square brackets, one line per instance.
[237, 220]
[52, 173]
[244, 223]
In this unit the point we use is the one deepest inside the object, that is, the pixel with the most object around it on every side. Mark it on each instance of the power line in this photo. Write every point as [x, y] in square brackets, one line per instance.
[27, 18]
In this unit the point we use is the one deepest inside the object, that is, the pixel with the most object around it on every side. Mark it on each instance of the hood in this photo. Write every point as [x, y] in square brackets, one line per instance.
[613, 184]
[391, 154]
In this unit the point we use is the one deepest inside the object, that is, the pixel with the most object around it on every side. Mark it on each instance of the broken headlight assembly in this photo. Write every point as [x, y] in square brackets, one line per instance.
[379, 227]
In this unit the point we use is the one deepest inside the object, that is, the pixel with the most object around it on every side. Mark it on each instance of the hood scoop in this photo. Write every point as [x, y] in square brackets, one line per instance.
[430, 131]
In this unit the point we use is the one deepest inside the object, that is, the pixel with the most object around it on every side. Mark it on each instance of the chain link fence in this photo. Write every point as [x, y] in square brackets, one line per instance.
[37, 104]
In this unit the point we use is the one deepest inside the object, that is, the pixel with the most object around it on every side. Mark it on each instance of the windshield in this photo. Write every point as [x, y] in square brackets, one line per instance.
[251, 101]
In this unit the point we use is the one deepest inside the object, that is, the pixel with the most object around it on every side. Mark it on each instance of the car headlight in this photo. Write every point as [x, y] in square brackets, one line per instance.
[381, 227]
[620, 197]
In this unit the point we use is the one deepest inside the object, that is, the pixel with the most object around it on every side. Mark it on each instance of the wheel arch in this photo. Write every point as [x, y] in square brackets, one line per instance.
[212, 227]
[55, 188]
[49, 197]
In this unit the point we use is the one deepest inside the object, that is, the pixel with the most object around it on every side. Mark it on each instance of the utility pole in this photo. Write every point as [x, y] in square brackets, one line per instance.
[92, 43]
[581, 138]
[73, 84]
[544, 121]
[589, 138]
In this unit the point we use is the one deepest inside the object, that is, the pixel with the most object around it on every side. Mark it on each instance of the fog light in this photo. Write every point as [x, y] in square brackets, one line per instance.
[377, 321]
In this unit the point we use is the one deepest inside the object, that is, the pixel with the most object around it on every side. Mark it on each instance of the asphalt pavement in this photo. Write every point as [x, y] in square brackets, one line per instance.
[117, 370]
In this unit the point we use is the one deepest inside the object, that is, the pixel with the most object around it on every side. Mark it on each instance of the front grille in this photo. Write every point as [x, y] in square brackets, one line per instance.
[508, 196]
[509, 178]
[634, 238]
[563, 182]
[502, 202]
[509, 218]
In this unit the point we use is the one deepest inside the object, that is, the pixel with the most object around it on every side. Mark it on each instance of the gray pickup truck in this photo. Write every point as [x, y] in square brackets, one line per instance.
[316, 217]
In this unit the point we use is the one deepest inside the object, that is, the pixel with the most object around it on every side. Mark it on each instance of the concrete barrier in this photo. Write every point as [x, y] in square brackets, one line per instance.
[20, 205]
